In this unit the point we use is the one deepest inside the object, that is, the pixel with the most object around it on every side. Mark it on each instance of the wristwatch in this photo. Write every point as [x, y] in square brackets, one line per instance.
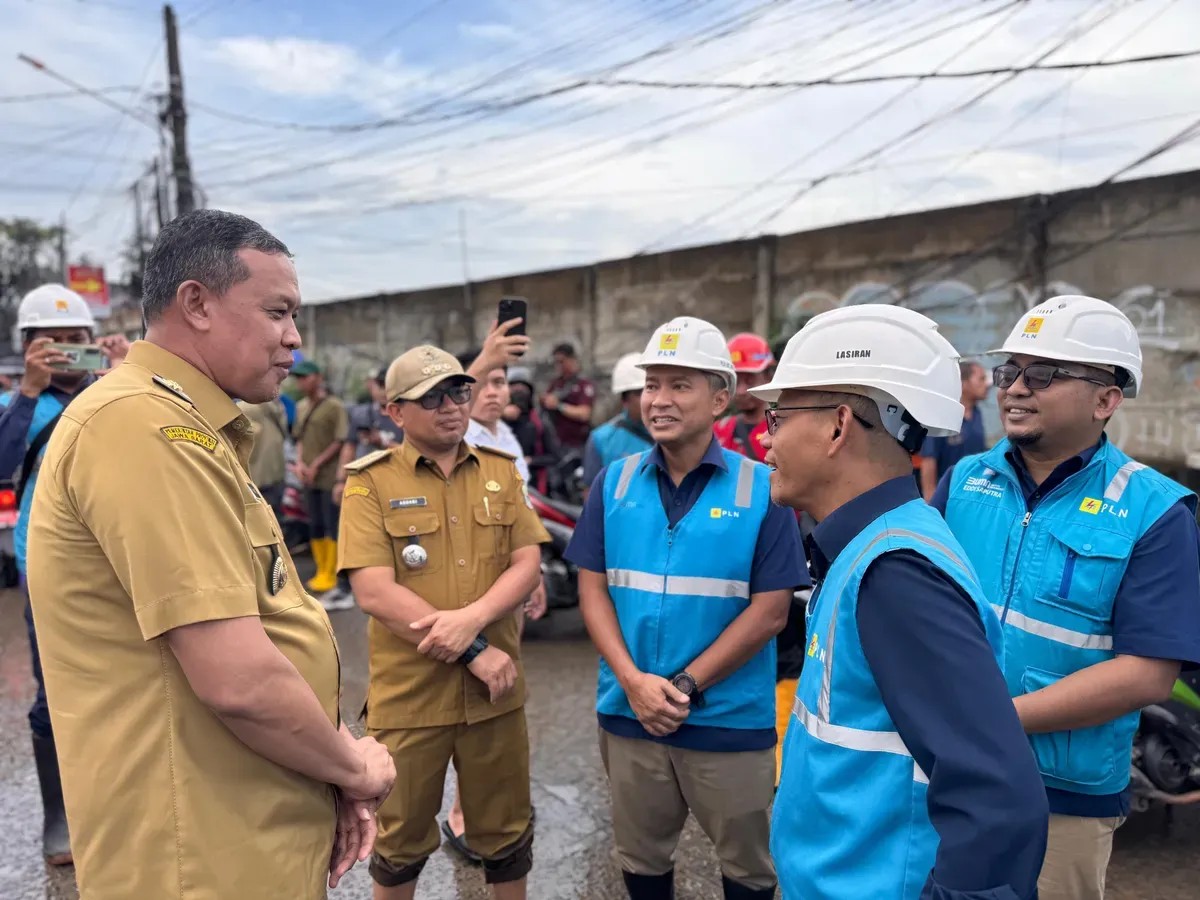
[477, 646]
[686, 684]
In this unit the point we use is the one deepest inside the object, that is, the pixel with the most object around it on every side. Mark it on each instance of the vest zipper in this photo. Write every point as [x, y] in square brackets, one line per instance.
[1016, 565]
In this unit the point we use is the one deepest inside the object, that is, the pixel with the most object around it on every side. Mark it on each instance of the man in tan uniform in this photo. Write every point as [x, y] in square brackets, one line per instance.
[441, 543]
[267, 461]
[322, 426]
[193, 685]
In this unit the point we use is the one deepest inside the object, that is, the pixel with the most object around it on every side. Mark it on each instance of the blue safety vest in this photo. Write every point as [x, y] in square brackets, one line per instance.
[614, 440]
[676, 589]
[48, 406]
[850, 817]
[1052, 576]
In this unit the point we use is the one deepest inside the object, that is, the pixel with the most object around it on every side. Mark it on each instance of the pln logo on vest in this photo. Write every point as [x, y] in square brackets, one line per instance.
[717, 513]
[1032, 327]
[1094, 507]
[814, 649]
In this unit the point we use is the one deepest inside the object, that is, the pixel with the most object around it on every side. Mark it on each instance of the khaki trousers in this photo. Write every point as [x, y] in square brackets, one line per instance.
[1077, 853]
[654, 786]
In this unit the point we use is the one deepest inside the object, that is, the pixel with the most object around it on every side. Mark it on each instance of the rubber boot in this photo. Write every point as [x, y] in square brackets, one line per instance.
[325, 555]
[56, 841]
[735, 891]
[650, 887]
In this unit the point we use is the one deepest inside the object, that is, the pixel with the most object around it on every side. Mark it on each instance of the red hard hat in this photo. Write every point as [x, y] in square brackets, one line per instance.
[750, 353]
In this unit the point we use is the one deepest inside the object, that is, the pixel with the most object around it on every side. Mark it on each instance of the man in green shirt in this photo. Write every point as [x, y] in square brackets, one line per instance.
[322, 426]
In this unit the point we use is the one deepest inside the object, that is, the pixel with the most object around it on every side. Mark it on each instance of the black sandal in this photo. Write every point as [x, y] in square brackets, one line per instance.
[459, 845]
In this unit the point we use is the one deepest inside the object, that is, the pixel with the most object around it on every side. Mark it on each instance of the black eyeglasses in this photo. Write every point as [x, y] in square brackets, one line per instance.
[773, 415]
[459, 393]
[1037, 376]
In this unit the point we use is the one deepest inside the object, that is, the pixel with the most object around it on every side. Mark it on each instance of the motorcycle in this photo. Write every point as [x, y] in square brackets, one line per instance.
[1166, 750]
[8, 526]
[560, 576]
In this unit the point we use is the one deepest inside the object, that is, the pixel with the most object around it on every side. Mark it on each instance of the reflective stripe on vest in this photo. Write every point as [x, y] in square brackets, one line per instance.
[678, 584]
[856, 738]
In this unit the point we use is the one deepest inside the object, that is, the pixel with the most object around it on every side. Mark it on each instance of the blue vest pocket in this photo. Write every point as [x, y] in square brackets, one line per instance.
[1086, 756]
[1082, 569]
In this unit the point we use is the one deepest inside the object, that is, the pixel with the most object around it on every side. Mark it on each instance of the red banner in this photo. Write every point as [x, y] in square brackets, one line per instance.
[89, 283]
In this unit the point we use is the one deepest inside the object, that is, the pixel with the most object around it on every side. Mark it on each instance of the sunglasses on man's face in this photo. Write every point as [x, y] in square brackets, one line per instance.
[459, 393]
[1037, 376]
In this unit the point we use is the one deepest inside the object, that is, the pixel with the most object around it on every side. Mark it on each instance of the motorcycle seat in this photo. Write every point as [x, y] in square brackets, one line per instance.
[569, 510]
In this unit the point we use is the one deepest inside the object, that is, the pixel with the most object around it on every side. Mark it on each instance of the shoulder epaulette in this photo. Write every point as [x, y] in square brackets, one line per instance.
[367, 461]
[173, 386]
[496, 452]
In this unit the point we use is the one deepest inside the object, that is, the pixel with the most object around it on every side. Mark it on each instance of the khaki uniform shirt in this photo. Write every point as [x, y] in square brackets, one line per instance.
[144, 519]
[469, 526]
[267, 464]
[329, 423]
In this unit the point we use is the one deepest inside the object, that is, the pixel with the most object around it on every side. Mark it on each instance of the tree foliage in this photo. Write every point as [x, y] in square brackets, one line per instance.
[28, 258]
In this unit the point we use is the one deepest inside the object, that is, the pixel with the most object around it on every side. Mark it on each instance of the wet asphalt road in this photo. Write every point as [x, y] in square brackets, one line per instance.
[573, 851]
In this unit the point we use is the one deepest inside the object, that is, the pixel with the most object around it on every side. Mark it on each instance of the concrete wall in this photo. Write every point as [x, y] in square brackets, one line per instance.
[974, 269]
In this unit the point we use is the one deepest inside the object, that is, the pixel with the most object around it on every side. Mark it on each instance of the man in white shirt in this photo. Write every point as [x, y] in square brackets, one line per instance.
[487, 427]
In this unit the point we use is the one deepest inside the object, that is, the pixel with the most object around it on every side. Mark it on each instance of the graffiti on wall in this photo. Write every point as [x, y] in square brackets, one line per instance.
[1163, 424]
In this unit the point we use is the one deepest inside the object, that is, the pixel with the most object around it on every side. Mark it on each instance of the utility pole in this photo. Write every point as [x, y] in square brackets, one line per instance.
[176, 116]
[467, 299]
[62, 248]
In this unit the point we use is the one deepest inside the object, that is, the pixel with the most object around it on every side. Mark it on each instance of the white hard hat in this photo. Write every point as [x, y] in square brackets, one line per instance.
[626, 376]
[54, 306]
[892, 355]
[1079, 329]
[690, 343]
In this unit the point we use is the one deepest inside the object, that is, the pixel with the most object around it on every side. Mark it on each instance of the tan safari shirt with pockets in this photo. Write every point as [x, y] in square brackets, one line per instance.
[469, 525]
[145, 519]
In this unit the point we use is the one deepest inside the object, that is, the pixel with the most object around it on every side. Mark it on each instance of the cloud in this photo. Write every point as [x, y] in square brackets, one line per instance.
[292, 66]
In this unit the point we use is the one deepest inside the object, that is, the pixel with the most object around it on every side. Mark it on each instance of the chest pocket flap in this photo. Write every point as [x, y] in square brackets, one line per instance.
[1083, 568]
[269, 557]
[498, 519]
[415, 526]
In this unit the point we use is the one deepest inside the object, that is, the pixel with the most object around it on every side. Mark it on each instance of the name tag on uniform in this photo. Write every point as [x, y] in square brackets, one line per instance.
[407, 502]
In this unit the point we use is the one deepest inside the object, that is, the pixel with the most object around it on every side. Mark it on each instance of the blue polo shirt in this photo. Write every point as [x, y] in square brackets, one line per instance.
[1156, 612]
[778, 565]
[926, 646]
[946, 451]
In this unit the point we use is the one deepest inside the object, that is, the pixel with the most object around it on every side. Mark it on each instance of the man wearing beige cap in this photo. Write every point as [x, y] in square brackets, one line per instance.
[441, 545]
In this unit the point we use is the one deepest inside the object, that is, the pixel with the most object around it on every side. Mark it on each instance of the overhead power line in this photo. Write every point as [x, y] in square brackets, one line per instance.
[923, 126]
[834, 81]
[64, 95]
[148, 121]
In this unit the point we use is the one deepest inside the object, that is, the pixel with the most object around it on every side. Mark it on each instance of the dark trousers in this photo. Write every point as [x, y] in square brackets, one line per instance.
[322, 514]
[39, 713]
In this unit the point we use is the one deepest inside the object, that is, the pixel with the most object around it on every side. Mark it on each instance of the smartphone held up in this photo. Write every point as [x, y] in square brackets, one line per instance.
[79, 358]
[513, 308]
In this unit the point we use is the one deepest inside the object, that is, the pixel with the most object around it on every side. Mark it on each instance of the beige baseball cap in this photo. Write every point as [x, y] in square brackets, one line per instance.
[421, 368]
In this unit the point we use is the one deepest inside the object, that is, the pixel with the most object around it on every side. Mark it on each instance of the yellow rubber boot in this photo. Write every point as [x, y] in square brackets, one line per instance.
[325, 555]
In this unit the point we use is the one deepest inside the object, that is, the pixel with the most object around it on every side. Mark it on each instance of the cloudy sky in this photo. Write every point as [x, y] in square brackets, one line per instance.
[373, 137]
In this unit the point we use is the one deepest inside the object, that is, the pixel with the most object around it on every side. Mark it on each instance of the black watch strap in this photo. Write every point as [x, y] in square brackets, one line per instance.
[477, 646]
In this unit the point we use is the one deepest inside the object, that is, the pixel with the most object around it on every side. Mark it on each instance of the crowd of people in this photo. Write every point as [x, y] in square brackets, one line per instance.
[948, 716]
